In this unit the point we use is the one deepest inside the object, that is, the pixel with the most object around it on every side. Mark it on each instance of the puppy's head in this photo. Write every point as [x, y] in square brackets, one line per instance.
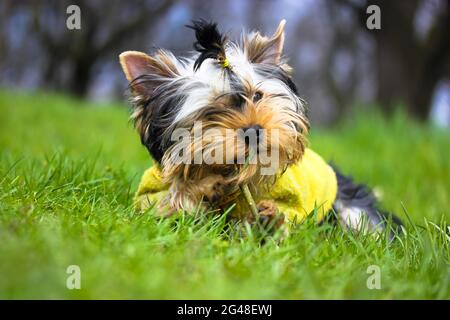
[229, 109]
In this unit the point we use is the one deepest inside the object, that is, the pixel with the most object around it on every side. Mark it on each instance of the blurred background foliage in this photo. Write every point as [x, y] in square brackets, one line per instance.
[338, 62]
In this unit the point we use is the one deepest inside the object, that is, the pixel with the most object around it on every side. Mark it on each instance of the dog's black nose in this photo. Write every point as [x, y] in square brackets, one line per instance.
[252, 131]
[255, 128]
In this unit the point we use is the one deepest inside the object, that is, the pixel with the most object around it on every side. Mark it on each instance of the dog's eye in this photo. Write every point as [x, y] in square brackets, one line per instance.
[237, 101]
[257, 96]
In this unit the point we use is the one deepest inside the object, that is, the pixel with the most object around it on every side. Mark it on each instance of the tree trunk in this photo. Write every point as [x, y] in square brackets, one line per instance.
[81, 78]
[397, 53]
[408, 69]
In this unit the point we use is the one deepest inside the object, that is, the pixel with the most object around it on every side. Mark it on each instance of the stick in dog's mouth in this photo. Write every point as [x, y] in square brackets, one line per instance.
[248, 197]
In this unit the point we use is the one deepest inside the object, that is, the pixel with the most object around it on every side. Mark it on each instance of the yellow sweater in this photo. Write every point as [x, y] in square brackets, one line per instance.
[307, 185]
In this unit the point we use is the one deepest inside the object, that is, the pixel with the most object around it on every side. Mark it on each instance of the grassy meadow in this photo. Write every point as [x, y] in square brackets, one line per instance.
[69, 169]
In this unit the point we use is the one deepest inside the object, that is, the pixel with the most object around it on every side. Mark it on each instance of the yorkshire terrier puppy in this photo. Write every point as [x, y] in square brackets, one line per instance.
[230, 116]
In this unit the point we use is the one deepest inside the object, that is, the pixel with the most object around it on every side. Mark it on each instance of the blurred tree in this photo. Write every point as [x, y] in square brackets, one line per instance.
[408, 66]
[338, 62]
[106, 26]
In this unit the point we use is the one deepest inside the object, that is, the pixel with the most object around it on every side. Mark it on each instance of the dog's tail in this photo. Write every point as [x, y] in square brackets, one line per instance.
[356, 208]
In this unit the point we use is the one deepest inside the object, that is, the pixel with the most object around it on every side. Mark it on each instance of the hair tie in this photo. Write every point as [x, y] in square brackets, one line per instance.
[225, 63]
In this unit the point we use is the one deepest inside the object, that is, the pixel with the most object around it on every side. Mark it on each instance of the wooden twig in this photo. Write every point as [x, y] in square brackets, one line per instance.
[248, 197]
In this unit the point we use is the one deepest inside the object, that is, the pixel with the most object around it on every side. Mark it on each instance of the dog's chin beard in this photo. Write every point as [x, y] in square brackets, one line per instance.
[216, 146]
[187, 176]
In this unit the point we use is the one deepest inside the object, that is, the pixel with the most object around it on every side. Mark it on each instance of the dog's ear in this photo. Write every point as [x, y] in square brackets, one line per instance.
[145, 73]
[261, 49]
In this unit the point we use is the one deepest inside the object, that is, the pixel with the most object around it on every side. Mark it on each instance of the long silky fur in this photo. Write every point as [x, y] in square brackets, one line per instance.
[183, 91]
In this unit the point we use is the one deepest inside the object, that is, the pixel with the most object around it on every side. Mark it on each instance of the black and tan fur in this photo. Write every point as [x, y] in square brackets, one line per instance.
[246, 86]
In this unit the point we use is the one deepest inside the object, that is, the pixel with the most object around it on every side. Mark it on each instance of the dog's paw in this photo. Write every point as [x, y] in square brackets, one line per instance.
[213, 189]
[268, 217]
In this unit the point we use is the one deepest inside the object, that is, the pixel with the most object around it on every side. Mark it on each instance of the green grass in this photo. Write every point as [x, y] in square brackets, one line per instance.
[67, 176]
